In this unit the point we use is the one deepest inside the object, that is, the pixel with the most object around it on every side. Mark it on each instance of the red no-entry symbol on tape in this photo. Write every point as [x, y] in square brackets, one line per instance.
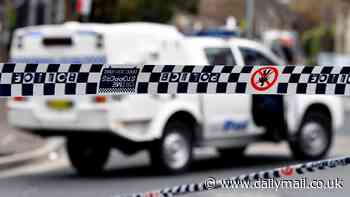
[287, 171]
[264, 78]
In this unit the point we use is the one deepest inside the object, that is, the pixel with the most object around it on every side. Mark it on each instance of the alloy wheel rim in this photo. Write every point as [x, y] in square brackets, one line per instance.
[314, 139]
[176, 150]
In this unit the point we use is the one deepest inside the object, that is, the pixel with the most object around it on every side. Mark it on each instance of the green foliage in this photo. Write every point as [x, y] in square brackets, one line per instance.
[145, 10]
[104, 11]
[139, 10]
[316, 40]
[10, 14]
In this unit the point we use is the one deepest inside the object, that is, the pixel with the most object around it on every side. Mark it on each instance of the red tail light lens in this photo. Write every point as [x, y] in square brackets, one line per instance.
[100, 99]
[19, 98]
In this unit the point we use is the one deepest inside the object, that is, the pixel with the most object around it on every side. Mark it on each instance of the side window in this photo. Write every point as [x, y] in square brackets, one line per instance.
[253, 57]
[220, 56]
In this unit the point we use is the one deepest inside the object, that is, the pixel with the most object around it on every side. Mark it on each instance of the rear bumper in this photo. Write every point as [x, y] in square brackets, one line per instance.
[117, 118]
[87, 120]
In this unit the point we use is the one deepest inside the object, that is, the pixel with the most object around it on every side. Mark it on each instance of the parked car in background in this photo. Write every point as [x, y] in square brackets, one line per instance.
[168, 126]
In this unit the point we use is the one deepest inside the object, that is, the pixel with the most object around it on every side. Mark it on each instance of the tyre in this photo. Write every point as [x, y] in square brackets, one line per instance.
[314, 137]
[172, 154]
[228, 153]
[87, 156]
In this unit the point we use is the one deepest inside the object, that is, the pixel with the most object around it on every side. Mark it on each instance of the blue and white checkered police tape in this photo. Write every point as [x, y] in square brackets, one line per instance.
[213, 184]
[106, 79]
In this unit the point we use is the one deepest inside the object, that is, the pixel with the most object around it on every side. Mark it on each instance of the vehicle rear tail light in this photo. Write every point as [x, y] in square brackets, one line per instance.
[19, 98]
[100, 99]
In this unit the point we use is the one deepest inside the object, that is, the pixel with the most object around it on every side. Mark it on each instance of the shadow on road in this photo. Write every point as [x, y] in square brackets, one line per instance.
[199, 166]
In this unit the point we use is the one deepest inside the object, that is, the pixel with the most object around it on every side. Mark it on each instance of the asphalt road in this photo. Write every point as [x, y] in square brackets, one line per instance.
[13, 141]
[124, 175]
[55, 177]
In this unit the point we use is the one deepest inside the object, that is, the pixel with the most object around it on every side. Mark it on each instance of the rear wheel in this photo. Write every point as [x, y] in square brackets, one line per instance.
[314, 137]
[88, 156]
[173, 152]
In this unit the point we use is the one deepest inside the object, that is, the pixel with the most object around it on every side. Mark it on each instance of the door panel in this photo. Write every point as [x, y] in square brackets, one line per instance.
[225, 115]
[267, 110]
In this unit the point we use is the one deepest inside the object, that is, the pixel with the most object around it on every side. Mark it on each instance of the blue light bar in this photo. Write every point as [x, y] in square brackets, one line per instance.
[221, 33]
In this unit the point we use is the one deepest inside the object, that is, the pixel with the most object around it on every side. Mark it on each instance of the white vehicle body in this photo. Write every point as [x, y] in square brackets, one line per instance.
[219, 120]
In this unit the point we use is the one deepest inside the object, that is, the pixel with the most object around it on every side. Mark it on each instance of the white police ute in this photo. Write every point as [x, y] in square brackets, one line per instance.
[168, 126]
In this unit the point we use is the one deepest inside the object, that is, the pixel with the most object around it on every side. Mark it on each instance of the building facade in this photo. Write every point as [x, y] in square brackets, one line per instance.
[266, 16]
[37, 12]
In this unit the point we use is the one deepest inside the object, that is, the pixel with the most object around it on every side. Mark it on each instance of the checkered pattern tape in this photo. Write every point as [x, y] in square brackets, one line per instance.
[104, 79]
[240, 79]
[269, 174]
[49, 79]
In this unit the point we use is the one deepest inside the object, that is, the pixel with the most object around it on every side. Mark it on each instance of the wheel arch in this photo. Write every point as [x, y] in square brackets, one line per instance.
[190, 121]
[180, 111]
[298, 106]
[319, 107]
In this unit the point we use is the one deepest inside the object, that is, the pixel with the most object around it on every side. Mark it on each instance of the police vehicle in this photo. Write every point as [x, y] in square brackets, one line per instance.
[168, 126]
